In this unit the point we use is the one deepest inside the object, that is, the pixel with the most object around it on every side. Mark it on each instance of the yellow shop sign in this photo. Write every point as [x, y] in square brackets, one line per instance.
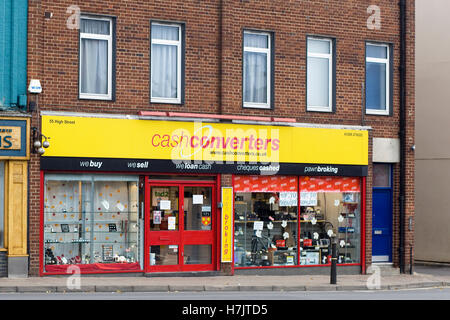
[121, 138]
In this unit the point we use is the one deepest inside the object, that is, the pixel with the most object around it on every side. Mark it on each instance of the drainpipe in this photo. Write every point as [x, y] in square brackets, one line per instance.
[402, 134]
[221, 8]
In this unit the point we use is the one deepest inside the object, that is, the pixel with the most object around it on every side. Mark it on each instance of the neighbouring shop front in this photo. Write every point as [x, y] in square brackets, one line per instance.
[14, 157]
[158, 195]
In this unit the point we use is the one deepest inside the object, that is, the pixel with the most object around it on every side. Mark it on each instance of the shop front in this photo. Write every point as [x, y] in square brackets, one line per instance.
[157, 195]
[14, 157]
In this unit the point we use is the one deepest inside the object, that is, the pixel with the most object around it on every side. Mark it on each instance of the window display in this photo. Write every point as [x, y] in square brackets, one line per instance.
[329, 206]
[91, 219]
[265, 221]
[269, 232]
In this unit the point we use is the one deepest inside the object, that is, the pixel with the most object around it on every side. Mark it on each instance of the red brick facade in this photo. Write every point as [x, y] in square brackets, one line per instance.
[213, 70]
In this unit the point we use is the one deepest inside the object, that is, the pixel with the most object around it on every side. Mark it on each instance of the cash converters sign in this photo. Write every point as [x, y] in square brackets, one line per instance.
[91, 138]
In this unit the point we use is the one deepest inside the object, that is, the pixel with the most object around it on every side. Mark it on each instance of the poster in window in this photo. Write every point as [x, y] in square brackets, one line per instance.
[172, 223]
[159, 194]
[156, 217]
[308, 199]
[288, 199]
[164, 205]
[107, 253]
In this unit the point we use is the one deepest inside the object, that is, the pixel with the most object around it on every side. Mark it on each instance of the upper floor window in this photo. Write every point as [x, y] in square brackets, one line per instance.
[320, 75]
[166, 63]
[378, 80]
[257, 82]
[96, 58]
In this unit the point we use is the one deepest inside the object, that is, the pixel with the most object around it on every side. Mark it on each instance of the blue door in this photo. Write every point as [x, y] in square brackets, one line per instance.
[382, 214]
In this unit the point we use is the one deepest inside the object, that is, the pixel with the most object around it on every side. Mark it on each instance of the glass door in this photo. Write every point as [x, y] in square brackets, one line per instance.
[186, 241]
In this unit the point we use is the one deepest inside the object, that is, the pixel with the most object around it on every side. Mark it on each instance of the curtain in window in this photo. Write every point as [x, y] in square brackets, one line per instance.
[164, 69]
[94, 58]
[255, 69]
[318, 82]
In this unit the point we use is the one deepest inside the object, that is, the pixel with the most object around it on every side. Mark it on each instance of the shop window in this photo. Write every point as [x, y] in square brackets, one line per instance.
[265, 221]
[164, 213]
[197, 208]
[320, 74]
[166, 62]
[197, 254]
[329, 207]
[96, 58]
[92, 220]
[257, 83]
[164, 255]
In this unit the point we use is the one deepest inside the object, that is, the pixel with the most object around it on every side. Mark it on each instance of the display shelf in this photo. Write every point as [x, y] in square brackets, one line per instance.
[89, 242]
[87, 212]
[88, 221]
[62, 222]
[250, 221]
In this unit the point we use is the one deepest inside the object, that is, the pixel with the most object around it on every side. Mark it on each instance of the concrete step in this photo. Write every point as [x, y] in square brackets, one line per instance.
[384, 269]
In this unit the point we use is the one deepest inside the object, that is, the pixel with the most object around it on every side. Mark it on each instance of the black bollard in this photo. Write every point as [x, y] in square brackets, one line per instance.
[333, 276]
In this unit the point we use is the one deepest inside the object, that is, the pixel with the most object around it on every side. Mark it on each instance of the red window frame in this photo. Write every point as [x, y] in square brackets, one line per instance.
[181, 237]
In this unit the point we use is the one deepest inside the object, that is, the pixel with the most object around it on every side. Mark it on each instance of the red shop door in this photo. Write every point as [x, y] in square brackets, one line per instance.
[186, 241]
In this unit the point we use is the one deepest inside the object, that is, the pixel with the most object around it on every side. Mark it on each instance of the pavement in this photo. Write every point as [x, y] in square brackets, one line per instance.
[427, 276]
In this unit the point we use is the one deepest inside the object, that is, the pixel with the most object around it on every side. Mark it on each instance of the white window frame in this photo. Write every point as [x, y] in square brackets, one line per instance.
[108, 38]
[178, 44]
[329, 56]
[267, 51]
[387, 63]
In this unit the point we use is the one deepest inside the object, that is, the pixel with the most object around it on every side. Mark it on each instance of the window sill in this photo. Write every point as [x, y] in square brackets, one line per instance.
[319, 109]
[377, 113]
[257, 106]
[95, 97]
[166, 101]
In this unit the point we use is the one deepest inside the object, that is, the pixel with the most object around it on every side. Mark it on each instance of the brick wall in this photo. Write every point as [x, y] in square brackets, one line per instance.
[213, 81]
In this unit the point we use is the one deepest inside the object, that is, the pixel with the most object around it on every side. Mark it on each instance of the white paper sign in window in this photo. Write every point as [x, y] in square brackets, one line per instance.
[171, 223]
[308, 198]
[288, 199]
[164, 205]
[197, 199]
[258, 225]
